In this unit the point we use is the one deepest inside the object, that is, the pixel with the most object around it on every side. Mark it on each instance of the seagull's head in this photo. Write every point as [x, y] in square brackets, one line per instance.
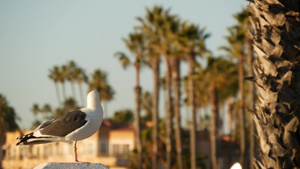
[93, 99]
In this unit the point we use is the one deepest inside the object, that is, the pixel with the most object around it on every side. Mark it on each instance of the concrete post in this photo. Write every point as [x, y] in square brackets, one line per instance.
[53, 165]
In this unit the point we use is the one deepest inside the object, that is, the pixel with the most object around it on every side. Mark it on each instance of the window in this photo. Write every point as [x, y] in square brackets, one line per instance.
[70, 149]
[116, 148]
[38, 152]
[45, 151]
[49, 150]
[125, 149]
[57, 149]
[103, 148]
[91, 149]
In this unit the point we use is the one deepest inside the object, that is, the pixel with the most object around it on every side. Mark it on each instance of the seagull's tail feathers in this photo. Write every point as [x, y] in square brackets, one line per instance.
[30, 139]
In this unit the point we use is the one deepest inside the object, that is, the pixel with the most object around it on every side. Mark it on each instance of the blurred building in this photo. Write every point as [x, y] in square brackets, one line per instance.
[111, 145]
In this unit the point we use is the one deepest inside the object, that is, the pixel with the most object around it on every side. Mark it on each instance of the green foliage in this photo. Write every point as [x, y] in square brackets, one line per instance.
[99, 83]
[146, 105]
[123, 116]
[35, 124]
[47, 113]
[8, 116]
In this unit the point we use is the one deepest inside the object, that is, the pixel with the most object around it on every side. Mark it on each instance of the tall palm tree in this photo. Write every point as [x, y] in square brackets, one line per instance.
[244, 25]
[81, 78]
[54, 75]
[192, 40]
[169, 110]
[8, 122]
[70, 104]
[151, 27]
[99, 83]
[276, 69]
[62, 78]
[136, 45]
[47, 111]
[35, 109]
[236, 40]
[146, 105]
[71, 75]
[219, 74]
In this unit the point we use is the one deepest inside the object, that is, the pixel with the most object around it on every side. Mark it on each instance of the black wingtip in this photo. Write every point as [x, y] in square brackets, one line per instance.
[20, 143]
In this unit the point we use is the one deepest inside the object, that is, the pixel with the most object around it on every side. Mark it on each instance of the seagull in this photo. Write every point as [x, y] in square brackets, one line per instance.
[72, 126]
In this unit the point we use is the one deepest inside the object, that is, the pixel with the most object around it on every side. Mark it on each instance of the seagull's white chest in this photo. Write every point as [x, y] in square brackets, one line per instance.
[94, 120]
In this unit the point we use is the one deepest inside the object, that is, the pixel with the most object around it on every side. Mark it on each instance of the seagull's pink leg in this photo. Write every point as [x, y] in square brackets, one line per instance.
[75, 152]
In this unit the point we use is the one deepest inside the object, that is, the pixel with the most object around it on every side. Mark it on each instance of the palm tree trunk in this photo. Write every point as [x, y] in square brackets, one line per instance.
[2, 137]
[229, 116]
[81, 94]
[64, 90]
[57, 93]
[242, 111]
[73, 90]
[137, 118]
[193, 112]
[2, 142]
[155, 101]
[176, 84]
[229, 128]
[277, 70]
[168, 116]
[251, 101]
[214, 126]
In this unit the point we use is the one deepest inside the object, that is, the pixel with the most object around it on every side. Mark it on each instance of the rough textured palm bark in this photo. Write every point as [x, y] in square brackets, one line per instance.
[156, 70]
[176, 85]
[193, 111]
[276, 40]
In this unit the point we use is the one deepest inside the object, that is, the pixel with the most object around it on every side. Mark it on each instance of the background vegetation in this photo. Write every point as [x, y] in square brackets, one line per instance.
[164, 41]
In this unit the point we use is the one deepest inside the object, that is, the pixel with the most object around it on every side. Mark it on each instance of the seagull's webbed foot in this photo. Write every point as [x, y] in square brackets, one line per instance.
[81, 162]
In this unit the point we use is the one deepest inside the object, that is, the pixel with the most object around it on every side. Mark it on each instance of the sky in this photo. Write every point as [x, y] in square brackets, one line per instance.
[37, 35]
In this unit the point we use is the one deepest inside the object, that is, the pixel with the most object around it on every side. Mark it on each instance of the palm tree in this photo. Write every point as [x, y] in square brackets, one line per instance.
[123, 116]
[244, 24]
[47, 111]
[54, 75]
[136, 45]
[70, 104]
[8, 122]
[62, 78]
[99, 83]
[81, 77]
[35, 109]
[169, 31]
[276, 69]
[146, 105]
[236, 40]
[151, 27]
[192, 41]
[220, 74]
[71, 75]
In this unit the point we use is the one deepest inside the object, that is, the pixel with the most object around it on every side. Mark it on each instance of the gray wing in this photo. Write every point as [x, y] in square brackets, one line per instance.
[64, 124]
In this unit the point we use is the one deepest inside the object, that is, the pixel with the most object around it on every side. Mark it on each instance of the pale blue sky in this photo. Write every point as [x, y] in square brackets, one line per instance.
[36, 35]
